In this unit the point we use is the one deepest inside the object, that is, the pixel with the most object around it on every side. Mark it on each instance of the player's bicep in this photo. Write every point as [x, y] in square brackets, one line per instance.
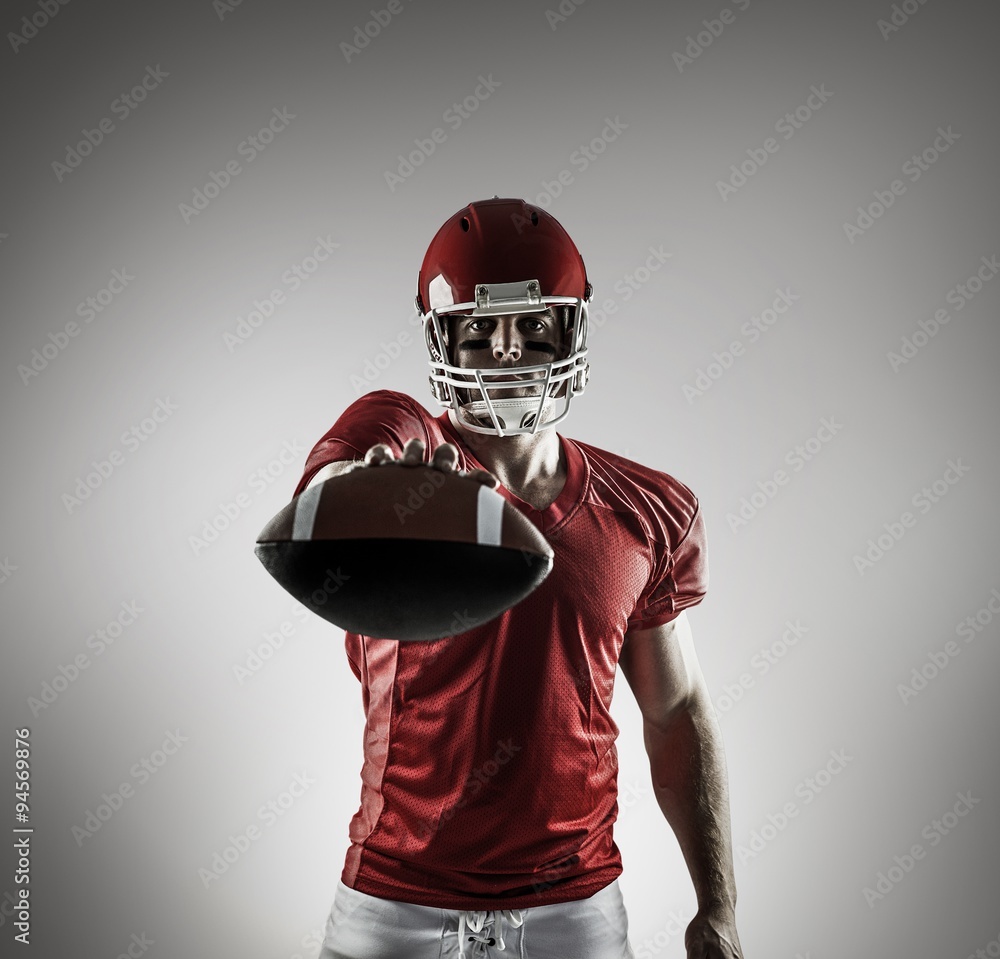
[662, 669]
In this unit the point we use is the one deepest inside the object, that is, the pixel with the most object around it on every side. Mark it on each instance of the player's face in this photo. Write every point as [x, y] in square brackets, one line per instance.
[508, 342]
[511, 340]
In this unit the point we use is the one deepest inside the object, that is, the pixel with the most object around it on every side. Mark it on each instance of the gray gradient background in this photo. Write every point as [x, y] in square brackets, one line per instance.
[163, 337]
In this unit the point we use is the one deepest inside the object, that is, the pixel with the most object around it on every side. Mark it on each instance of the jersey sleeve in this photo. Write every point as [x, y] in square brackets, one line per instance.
[383, 416]
[679, 578]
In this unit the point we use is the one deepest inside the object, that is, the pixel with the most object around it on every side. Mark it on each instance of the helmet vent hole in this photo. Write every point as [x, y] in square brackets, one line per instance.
[465, 224]
[534, 218]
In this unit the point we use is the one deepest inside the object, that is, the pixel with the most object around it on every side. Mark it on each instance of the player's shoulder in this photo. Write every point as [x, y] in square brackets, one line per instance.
[389, 399]
[388, 407]
[391, 417]
[620, 483]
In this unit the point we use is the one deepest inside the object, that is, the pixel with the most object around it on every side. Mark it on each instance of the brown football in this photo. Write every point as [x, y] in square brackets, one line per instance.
[404, 552]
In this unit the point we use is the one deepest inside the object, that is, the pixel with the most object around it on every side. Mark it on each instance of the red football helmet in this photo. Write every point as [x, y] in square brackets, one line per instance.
[505, 257]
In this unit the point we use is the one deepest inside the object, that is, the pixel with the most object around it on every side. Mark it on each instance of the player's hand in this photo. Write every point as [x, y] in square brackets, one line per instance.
[712, 935]
[444, 458]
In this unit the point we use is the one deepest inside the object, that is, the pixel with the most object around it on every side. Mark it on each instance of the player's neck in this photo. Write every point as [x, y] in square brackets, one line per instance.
[531, 466]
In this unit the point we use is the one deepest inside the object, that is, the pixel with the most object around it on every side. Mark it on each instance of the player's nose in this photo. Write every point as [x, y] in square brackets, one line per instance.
[506, 343]
[503, 351]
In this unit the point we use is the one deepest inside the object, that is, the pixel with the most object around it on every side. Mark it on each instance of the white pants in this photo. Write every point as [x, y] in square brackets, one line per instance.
[368, 927]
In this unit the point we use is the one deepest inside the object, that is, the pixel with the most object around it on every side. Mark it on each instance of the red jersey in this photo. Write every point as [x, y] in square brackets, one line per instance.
[490, 770]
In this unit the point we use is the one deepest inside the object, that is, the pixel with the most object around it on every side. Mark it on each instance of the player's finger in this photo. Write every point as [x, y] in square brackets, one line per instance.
[413, 453]
[445, 457]
[482, 476]
[379, 454]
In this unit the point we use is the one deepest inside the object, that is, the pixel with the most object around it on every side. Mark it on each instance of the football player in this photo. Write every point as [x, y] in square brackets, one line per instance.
[489, 783]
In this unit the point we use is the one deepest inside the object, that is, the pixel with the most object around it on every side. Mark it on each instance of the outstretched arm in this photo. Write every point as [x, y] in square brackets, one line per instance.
[444, 457]
[687, 761]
